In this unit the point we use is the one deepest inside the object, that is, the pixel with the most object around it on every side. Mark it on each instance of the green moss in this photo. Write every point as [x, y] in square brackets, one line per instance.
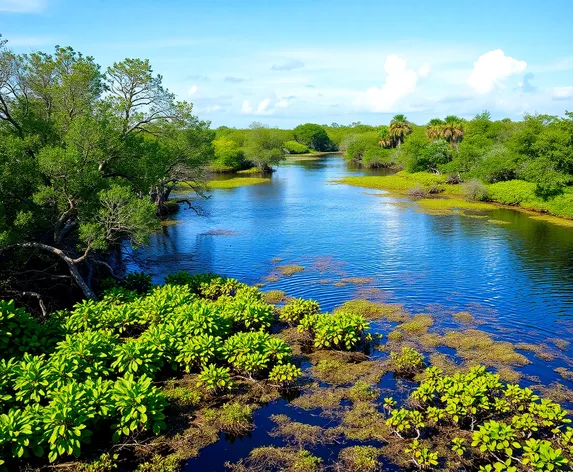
[183, 394]
[320, 398]
[290, 269]
[252, 170]
[237, 182]
[364, 422]
[302, 434]
[371, 310]
[508, 375]
[395, 336]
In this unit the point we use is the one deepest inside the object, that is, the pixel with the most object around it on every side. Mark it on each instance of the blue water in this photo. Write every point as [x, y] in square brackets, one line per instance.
[516, 278]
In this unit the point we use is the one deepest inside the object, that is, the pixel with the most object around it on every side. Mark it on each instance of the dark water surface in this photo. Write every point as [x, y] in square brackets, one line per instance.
[516, 277]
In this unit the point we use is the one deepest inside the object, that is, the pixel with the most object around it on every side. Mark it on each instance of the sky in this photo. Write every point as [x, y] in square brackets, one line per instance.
[289, 62]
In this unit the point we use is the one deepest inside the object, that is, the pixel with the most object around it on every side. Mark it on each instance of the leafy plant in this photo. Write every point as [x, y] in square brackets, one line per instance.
[336, 331]
[284, 374]
[407, 362]
[216, 379]
[295, 310]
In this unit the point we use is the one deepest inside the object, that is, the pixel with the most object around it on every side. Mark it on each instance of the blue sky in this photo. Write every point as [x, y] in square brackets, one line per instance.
[287, 62]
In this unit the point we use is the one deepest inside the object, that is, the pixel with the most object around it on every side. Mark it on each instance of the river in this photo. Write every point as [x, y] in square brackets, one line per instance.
[510, 271]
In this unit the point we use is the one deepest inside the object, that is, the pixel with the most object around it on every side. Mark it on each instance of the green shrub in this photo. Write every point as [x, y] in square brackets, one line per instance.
[293, 147]
[284, 374]
[337, 331]
[512, 192]
[295, 310]
[407, 362]
[215, 379]
[137, 281]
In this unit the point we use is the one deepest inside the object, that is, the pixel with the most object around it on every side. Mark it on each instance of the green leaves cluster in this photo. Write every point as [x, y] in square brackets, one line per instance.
[335, 331]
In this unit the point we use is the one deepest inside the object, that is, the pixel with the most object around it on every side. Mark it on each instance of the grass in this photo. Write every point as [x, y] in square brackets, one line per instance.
[232, 418]
[360, 459]
[516, 193]
[252, 170]
[265, 458]
[301, 434]
[237, 182]
[290, 269]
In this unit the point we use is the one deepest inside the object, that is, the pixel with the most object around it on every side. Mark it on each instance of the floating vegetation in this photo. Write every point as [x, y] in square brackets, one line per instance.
[477, 347]
[357, 280]
[302, 434]
[320, 398]
[371, 310]
[219, 232]
[364, 422]
[562, 344]
[237, 182]
[359, 459]
[507, 374]
[287, 459]
[419, 324]
[499, 222]
[328, 264]
[556, 220]
[289, 270]
[275, 296]
[276, 260]
[272, 278]
[566, 374]
[464, 317]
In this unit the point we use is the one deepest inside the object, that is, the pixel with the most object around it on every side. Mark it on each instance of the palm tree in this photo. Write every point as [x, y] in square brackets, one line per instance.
[399, 128]
[385, 138]
[453, 130]
[435, 129]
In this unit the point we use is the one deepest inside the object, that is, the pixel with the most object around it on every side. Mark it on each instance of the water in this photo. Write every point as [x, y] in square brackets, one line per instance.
[517, 277]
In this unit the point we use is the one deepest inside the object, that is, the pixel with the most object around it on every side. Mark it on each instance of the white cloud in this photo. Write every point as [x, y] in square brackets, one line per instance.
[425, 70]
[22, 6]
[562, 93]
[400, 81]
[265, 107]
[193, 90]
[491, 69]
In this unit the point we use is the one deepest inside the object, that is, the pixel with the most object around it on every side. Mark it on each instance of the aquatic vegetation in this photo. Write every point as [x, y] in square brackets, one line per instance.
[284, 374]
[232, 418]
[360, 459]
[237, 182]
[336, 331]
[565, 373]
[464, 317]
[288, 459]
[371, 310]
[289, 270]
[419, 324]
[453, 203]
[357, 280]
[301, 434]
[407, 362]
[295, 310]
[274, 296]
[341, 372]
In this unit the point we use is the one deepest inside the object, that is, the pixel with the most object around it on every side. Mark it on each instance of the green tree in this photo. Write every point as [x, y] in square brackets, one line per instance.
[314, 136]
[263, 147]
[399, 128]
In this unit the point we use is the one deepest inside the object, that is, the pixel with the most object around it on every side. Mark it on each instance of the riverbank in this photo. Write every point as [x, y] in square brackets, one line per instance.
[516, 194]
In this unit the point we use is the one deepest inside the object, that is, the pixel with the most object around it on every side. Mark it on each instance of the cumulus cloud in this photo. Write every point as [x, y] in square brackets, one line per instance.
[425, 70]
[562, 93]
[22, 6]
[193, 90]
[289, 65]
[265, 107]
[400, 81]
[491, 69]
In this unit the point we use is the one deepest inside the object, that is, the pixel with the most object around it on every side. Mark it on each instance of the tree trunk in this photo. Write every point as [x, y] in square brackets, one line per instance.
[71, 263]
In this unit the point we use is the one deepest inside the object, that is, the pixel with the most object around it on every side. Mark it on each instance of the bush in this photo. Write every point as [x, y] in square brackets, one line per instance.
[512, 192]
[407, 362]
[336, 331]
[293, 147]
[475, 190]
[297, 309]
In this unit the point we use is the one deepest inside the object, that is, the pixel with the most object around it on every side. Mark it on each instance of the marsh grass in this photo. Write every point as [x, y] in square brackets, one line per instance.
[339, 372]
[287, 459]
[301, 434]
[565, 374]
[454, 204]
[237, 182]
[372, 311]
[232, 418]
[359, 459]
[364, 422]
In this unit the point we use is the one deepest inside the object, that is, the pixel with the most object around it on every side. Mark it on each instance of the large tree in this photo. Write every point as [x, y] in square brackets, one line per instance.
[314, 136]
[86, 160]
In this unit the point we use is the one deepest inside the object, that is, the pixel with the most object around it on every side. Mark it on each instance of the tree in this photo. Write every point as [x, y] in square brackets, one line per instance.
[399, 128]
[228, 154]
[263, 147]
[82, 170]
[453, 130]
[385, 138]
[312, 135]
[434, 129]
